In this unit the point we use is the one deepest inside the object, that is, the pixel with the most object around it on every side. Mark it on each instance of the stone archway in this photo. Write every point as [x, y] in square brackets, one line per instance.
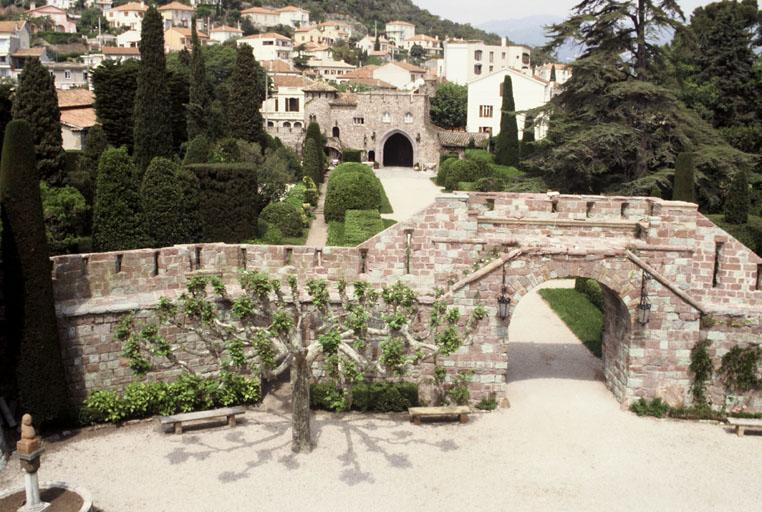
[398, 150]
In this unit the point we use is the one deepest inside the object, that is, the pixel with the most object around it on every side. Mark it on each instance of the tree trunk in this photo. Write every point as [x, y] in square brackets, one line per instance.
[300, 382]
[640, 31]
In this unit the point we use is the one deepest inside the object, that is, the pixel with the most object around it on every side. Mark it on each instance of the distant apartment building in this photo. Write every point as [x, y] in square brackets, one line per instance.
[128, 39]
[327, 32]
[431, 45]
[399, 31]
[290, 15]
[176, 14]
[224, 33]
[129, 15]
[69, 75]
[328, 69]
[178, 38]
[368, 44]
[485, 100]
[269, 46]
[115, 53]
[14, 36]
[59, 18]
[468, 60]
[563, 72]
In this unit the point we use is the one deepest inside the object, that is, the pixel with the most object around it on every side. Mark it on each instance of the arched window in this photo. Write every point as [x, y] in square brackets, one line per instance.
[270, 124]
[386, 118]
[297, 124]
[408, 117]
[286, 124]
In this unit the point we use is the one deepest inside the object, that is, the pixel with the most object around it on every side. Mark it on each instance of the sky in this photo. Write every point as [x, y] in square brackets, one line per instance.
[481, 11]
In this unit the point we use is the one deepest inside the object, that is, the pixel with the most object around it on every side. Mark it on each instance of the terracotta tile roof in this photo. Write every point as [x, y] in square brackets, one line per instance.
[400, 22]
[410, 67]
[459, 139]
[422, 37]
[289, 8]
[75, 98]
[278, 66]
[11, 26]
[363, 72]
[345, 99]
[268, 35]
[259, 10]
[131, 6]
[315, 47]
[48, 9]
[320, 86]
[329, 64]
[186, 32]
[79, 117]
[291, 81]
[226, 28]
[176, 6]
[372, 82]
[118, 50]
[36, 51]
[65, 65]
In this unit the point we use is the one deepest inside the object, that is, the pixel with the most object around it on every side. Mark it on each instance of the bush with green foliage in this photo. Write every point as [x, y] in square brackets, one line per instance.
[228, 201]
[313, 163]
[161, 201]
[190, 217]
[65, 211]
[684, 188]
[187, 393]
[31, 331]
[702, 369]
[487, 404]
[740, 369]
[285, 216]
[86, 172]
[311, 193]
[462, 170]
[358, 226]
[444, 170]
[591, 289]
[350, 191]
[197, 151]
[449, 106]
[114, 85]
[490, 184]
[457, 391]
[737, 202]
[365, 396]
[655, 407]
[117, 219]
[352, 155]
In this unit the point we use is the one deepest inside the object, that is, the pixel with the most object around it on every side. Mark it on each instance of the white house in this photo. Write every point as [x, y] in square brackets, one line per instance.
[14, 35]
[399, 31]
[289, 15]
[563, 72]
[59, 17]
[62, 4]
[465, 61]
[431, 45]
[368, 44]
[317, 51]
[69, 75]
[293, 16]
[128, 39]
[77, 116]
[176, 14]
[129, 15]
[224, 33]
[121, 54]
[328, 69]
[401, 75]
[485, 100]
[285, 108]
[269, 46]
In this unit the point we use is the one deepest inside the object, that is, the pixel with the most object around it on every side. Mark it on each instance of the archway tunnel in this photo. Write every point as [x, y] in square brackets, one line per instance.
[398, 151]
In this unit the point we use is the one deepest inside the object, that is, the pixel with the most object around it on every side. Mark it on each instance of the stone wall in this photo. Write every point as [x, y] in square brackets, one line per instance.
[462, 243]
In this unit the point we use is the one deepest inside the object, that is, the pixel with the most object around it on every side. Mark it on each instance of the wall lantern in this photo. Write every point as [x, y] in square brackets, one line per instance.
[365, 140]
[373, 136]
[644, 308]
[418, 137]
[504, 301]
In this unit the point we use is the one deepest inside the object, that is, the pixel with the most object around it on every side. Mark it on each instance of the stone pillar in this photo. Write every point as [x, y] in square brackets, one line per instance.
[29, 450]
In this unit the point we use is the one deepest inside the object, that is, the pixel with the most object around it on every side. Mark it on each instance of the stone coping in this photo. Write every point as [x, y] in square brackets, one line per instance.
[87, 498]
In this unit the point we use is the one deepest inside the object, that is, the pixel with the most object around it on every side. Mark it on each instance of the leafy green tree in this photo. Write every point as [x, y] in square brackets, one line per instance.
[247, 92]
[737, 201]
[369, 334]
[417, 53]
[114, 85]
[200, 101]
[507, 150]
[272, 178]
[66, 218]
[31, 330]
[89, 20]
[449, 106]
[178, 85]
[36, 102]
[377, 44]
[161, 203]
[152, 124]
[685, 181]
[117, 219]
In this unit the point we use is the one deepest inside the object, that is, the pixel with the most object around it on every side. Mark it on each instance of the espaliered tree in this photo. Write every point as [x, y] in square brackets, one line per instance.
[507, 150]
[200, 98]
[36, 102]
[117, 219]
[247, 92]
[31, 331]
[152, 131]
[275, 326]
[684, 188]
[737, 200]
[161, 203]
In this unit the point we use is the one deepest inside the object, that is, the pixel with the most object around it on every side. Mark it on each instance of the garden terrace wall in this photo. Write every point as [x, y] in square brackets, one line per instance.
[460, 243]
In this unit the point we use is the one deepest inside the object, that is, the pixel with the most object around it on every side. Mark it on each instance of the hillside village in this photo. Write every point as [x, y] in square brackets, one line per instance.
[336, 61]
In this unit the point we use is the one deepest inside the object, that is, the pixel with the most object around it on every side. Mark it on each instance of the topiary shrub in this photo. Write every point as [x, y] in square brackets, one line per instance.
[444, 170]
[162, 203]
[198, 151]
[285, 216]
[190, 218]
[350, 191]
[313, 161]
[489, 185]
[590, 289]
[227, 201]
[352, 155]
[461, 170]
[311, 193]
[31, 331]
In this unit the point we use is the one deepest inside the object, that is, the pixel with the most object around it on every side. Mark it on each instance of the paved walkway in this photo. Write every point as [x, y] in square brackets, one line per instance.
[409, 191]
[318, 235]
[564, 445]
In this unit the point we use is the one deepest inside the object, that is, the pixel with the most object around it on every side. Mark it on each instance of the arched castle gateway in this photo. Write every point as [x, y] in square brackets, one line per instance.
[705, 284]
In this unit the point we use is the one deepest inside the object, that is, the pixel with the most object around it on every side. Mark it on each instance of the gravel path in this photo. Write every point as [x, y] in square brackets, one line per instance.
[564, 445]
[318, 235]
[408, 191]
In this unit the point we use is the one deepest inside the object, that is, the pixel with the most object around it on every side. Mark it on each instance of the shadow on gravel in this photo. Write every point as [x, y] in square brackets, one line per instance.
[552, 361]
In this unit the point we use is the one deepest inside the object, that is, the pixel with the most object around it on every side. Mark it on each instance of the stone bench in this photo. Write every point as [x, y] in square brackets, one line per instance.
[741, 424]
[458, 411]
[177, 420]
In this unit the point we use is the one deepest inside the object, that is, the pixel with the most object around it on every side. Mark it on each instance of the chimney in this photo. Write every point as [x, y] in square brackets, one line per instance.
[503, 42]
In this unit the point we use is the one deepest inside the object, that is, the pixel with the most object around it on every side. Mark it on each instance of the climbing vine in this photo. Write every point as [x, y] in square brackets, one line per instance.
[702, 369]
[739, 370]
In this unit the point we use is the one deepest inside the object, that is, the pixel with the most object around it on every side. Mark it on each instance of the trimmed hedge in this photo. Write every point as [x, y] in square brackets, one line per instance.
[358, 226]
[590, 289]
[227, 202]
[368, 397]
[489, 184]
[461, 170]
[352, 155]
[350, 189]
[197, 151]
[161, 202]
[285, 216]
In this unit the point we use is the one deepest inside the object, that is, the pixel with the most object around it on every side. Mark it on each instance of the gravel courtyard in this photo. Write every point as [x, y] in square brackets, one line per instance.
[564, 445]
[409, 191]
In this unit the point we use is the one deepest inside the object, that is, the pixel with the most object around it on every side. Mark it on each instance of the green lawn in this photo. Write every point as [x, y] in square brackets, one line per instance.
[579, 314]
[358, 226]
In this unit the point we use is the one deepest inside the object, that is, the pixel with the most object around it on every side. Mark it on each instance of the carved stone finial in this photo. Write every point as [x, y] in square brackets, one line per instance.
[27, 429]
[29, 442]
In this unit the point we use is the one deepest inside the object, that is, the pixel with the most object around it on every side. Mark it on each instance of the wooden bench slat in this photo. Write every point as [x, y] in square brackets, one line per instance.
[746, 422]
[439, 411]
[202, 415]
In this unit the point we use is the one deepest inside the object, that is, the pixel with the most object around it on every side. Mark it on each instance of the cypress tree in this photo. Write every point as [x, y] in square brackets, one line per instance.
[190, 190]
[314, 133]
[152, 125]
[527, 138]
[684, 188]
[178, 87]
[117, 223]
[30, 308]
[36, 102]
[377, 44]
[507, 146]
[161, 203]
[553, 73]
[199, 98]
[246, 97]
[737, 200]
[84, 177]
[114, 85]
[313, 161]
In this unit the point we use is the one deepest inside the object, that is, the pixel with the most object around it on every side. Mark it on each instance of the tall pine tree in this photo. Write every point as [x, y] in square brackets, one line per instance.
[153, 127]
[247, 92]
[114, 85]
[507, 145]
[36, 102]
[200, 100]
[737, 200]
[684, 188]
